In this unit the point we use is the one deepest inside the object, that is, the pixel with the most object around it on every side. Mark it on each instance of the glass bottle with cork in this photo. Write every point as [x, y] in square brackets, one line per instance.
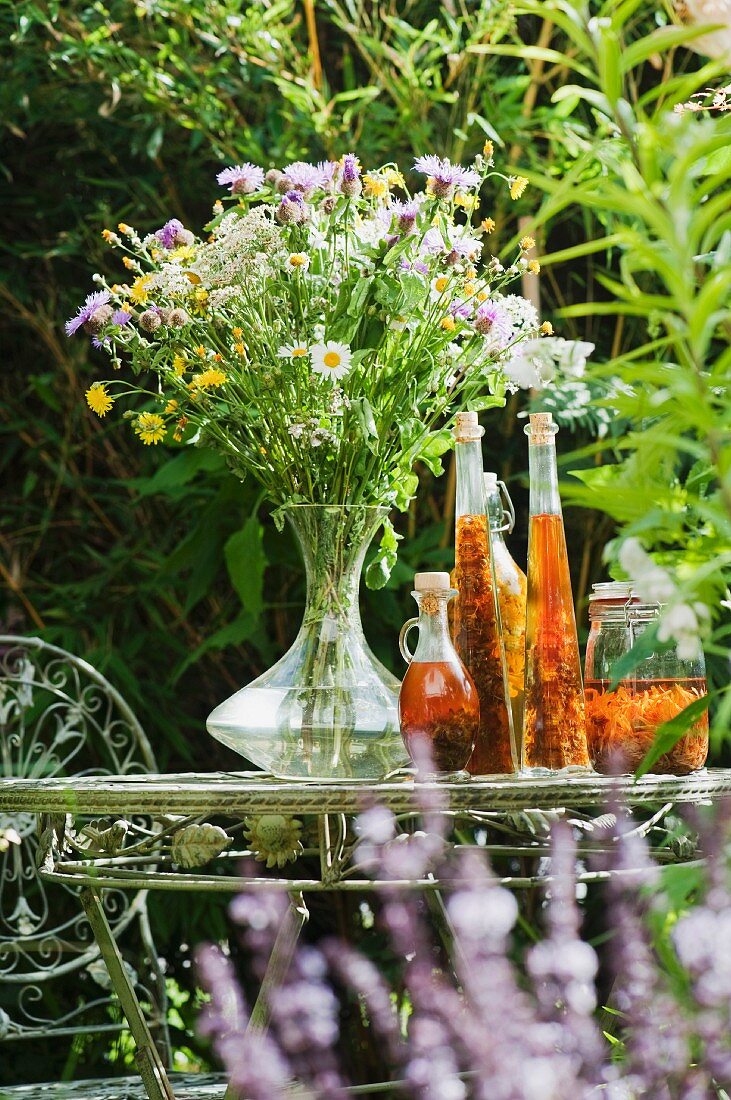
[511, 593]
[554, 727]
[621, 720]
[438, 703]
[477, 628]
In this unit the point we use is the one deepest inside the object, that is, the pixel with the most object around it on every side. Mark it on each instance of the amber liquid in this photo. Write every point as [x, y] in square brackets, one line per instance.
[478, 642]
[621, 724]
[554, 730]
[438, 704]
[511, 597]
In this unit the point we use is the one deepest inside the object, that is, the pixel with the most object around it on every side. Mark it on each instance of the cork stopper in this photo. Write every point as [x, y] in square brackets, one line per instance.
[467, 428]
[541, 429]
[490, 483]
[432, 582]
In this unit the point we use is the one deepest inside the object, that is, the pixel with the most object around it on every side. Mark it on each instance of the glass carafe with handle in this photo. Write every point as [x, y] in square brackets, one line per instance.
[439, 710]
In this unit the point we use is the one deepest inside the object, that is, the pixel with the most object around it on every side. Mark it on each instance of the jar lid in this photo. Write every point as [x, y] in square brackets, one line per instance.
[432, 582]
[611, 590]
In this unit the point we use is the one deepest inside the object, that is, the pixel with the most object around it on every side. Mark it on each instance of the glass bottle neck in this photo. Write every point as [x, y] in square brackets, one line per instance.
[470, 483]
[543, 472]
[435, 643]
[495, 515]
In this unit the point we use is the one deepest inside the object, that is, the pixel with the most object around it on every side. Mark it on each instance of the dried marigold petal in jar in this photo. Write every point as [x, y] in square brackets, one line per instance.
[621, 722]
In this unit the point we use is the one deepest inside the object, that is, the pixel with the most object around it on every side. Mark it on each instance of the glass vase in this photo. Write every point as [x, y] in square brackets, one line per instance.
[328, 708]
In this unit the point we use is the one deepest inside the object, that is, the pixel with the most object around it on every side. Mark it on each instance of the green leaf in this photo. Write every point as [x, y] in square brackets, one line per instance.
[245, 561]
[180, 470]
[670, 732]
[379, 570]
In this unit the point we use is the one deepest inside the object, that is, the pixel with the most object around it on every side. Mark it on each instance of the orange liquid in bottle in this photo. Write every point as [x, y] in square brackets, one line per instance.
[478, 642]
[554, 732]
[439, 704]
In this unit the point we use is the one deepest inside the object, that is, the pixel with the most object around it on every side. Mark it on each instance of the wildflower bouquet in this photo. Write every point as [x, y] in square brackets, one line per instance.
[324, 333]
[321, 337]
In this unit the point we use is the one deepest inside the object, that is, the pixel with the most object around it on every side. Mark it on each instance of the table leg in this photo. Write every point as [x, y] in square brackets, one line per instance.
[284, 948]
[149, 1063]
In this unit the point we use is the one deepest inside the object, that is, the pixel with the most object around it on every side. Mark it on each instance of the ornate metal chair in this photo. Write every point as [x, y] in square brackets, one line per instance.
[59, 716]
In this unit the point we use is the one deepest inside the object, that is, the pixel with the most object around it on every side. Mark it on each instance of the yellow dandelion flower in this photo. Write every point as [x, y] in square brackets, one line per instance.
[534, 267]
[239, 349]
[184, 252]
[98, 399]
[139, 291]
[374, 185]
[200, 351]
[208, 379]
[179, 365]
[180, 427]
[488, 149]
[201, 294]
[172, 406]
[518, 185]
[150, 427]
[237, 333]
[393, 177]
[124, 228]
[467, 202]
[448, 323]
[526, 243]
[547, 328]
[487, 225]
[108, 235]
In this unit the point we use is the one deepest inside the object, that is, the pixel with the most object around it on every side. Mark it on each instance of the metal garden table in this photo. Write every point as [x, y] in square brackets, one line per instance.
[177, 833]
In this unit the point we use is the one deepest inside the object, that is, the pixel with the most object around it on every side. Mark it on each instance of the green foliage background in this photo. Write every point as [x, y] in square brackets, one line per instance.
[121, 111]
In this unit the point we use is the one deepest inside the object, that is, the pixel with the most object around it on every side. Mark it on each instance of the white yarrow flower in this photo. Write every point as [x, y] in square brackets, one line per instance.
[331, 359]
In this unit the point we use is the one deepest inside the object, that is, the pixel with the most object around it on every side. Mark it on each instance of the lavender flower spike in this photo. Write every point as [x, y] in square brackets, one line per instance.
[445, 177]
[243, 179]
[92, 303]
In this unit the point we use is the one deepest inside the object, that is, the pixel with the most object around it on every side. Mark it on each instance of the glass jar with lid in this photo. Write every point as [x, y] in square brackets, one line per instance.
[621, 723]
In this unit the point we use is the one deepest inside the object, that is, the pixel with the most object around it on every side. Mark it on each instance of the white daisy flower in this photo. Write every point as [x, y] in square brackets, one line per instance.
[293, 351]
[331, 359]
[439, 286]
[298, 261]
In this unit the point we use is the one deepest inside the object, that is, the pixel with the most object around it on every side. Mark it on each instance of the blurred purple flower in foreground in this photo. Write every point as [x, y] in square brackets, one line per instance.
[481, 1027]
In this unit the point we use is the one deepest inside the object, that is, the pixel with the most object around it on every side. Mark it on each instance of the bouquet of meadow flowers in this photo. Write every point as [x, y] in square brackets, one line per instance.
[326, 330]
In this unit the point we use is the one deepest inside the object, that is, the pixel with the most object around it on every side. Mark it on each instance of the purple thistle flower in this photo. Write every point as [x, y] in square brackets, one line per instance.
[461, 310]
[99, 344]
[304, 177]
[121, 317]
[406, 214]
[92, 303]
[174, 233]
[292, 210]
[415, 265]
[243, 179]
[350, 176]
[444, 176]
[495, 324]
[328, 169]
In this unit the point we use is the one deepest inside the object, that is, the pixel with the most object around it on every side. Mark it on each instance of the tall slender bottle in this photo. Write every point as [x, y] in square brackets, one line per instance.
[554, 729]
[511, 596]
[477, 630]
